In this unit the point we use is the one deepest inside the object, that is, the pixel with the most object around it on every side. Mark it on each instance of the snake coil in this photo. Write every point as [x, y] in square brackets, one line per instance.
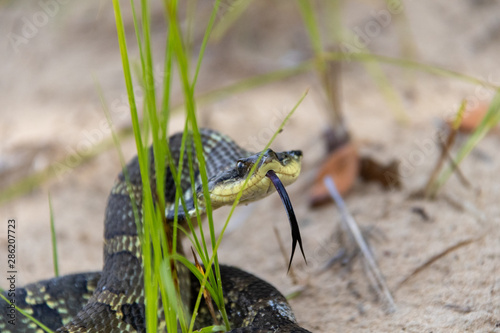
[113, 300]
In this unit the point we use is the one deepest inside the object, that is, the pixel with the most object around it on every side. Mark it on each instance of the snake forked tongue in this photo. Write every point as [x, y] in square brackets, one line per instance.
[291, 215]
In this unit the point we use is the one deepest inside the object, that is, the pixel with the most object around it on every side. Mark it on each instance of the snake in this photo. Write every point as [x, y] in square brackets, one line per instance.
[112, 300]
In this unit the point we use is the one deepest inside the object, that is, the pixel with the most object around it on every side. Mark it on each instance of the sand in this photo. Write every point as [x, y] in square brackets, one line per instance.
[50, 108]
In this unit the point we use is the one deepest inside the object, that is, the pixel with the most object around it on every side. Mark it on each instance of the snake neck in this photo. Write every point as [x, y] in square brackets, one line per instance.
[120, 290]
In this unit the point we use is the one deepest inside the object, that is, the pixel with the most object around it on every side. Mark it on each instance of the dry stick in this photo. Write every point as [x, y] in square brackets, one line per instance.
[329, 72]
[430, 188]
[436, 257]
[330, 75]
[454, 166]
[293, 277]
[356, 233]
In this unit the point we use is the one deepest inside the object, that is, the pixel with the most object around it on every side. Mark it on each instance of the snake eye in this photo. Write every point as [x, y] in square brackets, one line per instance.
[241, 167]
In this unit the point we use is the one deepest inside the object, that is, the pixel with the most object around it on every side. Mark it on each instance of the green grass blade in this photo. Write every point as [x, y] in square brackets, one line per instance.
[238, 197]
[116, 140]
[311, 23]
[57, 169]
[334, 21]
[190, 25]
[53, 239]
[24, 313]
[388, 92]
[252, 82]
[374, 69]
[237, 8]
[329, 72]
[214, 328]
[208, 30]
[410, 64]
[150, 283]
[127, 74]
[162, 275]
[167, 87]
[188, 89]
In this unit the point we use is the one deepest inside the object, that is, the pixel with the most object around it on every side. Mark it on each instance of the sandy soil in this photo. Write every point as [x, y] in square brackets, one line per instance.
[53, 53]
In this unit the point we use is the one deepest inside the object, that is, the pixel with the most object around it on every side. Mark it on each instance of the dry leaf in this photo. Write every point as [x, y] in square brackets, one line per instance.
[342, 165]
[473, 117]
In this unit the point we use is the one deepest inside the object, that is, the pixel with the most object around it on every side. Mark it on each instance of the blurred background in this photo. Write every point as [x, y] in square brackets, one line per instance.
[386, 74]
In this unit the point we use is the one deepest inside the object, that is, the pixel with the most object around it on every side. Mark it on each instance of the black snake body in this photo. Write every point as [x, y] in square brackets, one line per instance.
[113, 301]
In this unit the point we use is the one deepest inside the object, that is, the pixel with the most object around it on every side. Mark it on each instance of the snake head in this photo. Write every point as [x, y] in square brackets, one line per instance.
[266, 173]
[225, 186]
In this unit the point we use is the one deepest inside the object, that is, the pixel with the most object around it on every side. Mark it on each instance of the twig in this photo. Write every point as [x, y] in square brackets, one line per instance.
[356, 233]
[330, 75]
[454, 165]
[436, 257]
[430, 188]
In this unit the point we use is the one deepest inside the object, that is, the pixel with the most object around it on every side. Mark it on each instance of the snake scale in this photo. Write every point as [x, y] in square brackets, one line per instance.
[113, 300]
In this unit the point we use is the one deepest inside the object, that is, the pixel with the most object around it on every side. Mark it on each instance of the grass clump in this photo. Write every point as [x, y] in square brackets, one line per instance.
[159, 248]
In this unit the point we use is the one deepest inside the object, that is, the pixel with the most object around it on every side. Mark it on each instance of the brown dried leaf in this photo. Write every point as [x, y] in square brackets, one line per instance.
[473, 117]
[342, 165]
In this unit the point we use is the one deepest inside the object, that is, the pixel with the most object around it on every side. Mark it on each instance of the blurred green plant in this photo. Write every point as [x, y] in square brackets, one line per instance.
[490, 120]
